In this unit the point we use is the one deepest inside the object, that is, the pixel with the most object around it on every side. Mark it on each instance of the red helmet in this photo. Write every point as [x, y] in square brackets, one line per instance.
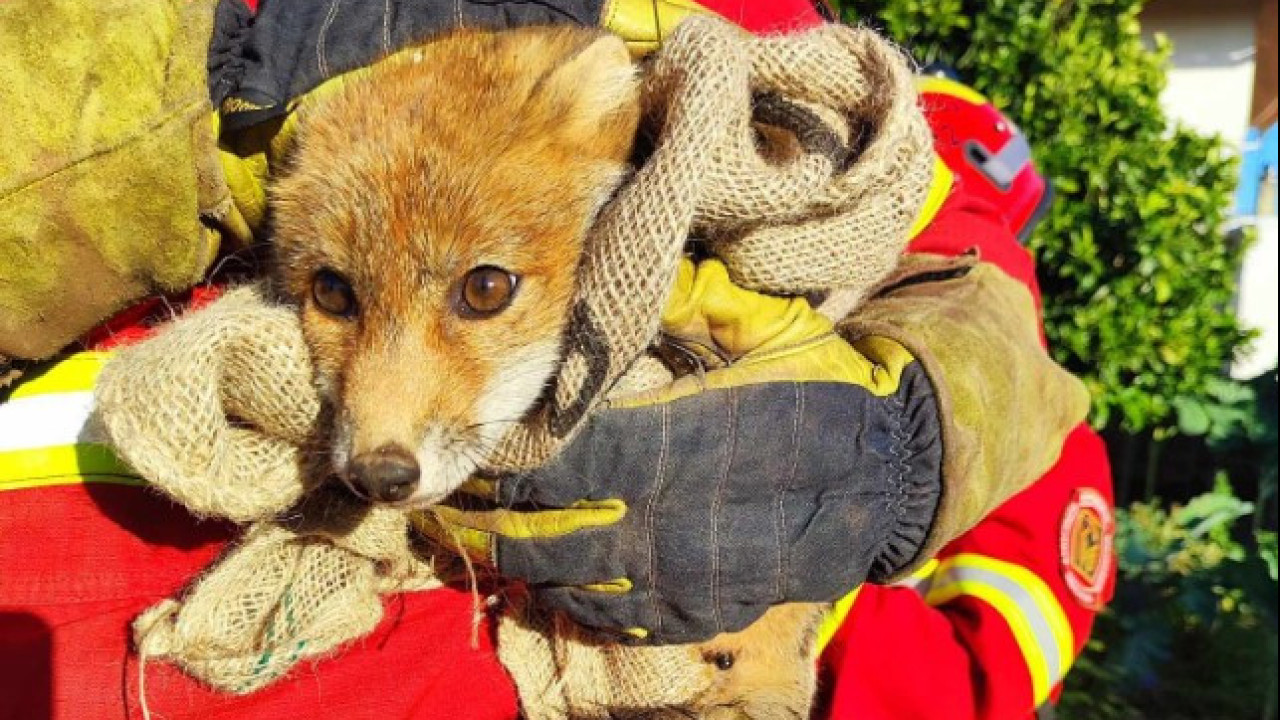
[986, 150]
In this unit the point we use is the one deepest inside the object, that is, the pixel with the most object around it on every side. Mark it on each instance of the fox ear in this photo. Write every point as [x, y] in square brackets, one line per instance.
[596, 83]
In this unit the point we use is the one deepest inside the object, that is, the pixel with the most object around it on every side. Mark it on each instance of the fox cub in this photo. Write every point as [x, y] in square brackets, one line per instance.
[430, 227]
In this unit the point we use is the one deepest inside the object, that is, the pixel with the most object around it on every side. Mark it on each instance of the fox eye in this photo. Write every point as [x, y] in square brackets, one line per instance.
[488, 290]
[722, 660]
[333, 294]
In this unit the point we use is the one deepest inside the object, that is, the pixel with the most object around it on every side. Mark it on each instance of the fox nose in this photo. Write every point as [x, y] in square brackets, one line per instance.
[388, 474]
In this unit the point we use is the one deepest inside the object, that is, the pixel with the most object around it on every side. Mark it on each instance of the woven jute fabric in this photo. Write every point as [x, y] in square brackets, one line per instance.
[800, 161]
[217, 409]
[277, 599]
[563, 671]
[219, 412]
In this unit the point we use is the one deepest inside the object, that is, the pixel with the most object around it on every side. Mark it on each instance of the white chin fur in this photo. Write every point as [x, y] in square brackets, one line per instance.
[511, 392]
[446, 462]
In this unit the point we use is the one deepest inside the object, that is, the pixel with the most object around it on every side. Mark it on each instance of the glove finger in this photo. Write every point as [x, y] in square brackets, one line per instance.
[585, 557]
[615, 613]
[535, 524]
[476, 531]
[477, 544]
[626, 451]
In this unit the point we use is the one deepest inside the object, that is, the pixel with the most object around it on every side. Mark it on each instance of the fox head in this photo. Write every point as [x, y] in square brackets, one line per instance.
[429, 227]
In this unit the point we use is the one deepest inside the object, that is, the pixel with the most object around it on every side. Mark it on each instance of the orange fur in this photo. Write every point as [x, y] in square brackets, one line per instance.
[774, 667]
[477, 148]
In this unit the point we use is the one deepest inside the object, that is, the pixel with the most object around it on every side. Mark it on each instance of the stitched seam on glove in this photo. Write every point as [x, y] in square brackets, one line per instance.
[784, 549]
[650, 513]
[897, 484]
[717, 502]
[888, 560]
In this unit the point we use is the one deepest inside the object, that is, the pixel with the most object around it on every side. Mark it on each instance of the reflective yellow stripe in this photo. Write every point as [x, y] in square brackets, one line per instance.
[1026, 603]
[939, 191]
[54, 481]
[46, 437]
[76, 373]
[835, 618]
[947, 86]
[60, 465]
[840, 611]
[920, 580]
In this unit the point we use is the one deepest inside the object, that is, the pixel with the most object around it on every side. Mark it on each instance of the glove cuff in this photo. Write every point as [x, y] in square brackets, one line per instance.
[912, 493]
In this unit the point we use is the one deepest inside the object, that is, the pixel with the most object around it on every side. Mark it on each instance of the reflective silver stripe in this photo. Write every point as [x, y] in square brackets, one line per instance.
[921, 581]
[1001, 168]
[1040, 626]
[922, 585]
[47, 420]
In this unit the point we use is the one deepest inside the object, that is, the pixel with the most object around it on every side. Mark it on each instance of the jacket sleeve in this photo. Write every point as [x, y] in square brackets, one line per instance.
[989, 626]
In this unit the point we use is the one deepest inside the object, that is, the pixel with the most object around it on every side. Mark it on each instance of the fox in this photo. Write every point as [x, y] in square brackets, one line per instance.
[429, 225]
[429, 228]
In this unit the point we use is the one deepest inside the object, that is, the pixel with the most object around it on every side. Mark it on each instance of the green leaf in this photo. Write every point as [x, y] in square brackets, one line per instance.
[1193, 418]
[1213, 512]
[1267, 551]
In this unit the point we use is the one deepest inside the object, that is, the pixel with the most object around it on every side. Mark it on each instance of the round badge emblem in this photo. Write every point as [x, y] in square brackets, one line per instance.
[1085, 546]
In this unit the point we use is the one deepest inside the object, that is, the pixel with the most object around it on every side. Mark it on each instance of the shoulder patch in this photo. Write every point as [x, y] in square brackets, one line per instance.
[1085, 546]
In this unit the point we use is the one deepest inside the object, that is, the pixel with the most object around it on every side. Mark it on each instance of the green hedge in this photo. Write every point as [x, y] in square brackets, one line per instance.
[1137, 274]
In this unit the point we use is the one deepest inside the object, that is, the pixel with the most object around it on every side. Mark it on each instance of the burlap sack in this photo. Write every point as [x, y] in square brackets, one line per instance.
[279, 598]
[219, 412]
[765, 672]
[562, 671]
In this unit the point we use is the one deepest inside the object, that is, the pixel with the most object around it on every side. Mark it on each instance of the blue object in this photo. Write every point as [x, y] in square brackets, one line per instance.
[1257, 160]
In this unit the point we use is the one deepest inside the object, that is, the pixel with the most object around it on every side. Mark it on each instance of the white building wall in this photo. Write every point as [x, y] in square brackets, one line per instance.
[1258, 301]
[1211, 77]
[1210, 89]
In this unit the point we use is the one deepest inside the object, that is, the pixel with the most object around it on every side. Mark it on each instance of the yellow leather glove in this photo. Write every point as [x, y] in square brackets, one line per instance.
[793, 470]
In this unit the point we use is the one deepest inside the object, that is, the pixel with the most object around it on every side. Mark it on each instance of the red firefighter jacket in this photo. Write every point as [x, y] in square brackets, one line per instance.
[988, 634]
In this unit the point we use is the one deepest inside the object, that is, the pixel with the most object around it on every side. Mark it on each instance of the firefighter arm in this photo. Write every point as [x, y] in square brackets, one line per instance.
[965, 301]
[988, 629]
